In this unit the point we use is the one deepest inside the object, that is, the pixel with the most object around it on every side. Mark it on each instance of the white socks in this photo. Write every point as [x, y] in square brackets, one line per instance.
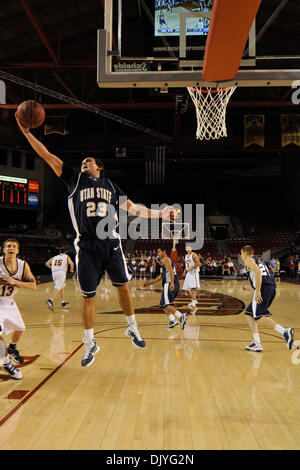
[279, 328]
[130, 319]
[256, 338]
[172, 318]
[88, 335]
[178, 314]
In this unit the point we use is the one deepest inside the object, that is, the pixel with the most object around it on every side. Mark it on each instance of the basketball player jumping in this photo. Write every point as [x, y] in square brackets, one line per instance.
[264, 285]
[94, 198]
[191, 283]
[13, 273]
[170, 289]
[59, 266]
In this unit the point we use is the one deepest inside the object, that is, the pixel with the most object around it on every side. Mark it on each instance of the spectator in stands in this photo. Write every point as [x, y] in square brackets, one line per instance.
[225, 267]
[231, 267]
[272, 264]
[219, 267]
[291, 266]
[201, 260]
[208, 264]
[214, 267]
[142, 268]
[296, 261]
[134, 263]
[153, 269]
[203, 265]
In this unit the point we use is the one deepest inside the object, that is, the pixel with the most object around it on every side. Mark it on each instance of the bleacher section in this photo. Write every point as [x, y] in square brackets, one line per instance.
[263, 236]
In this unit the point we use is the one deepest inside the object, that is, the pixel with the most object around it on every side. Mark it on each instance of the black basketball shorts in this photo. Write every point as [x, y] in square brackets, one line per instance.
[257, 311]
[168, 296]
[93, 258]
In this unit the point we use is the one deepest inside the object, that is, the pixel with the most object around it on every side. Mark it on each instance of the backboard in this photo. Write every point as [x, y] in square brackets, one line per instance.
[161, 43]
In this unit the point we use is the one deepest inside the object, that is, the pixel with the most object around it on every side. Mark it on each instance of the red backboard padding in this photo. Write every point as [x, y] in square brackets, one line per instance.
[230, 24]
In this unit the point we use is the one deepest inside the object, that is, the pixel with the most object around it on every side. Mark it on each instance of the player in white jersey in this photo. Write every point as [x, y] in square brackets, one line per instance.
[191, 283]
[14, 273]
[59, 267]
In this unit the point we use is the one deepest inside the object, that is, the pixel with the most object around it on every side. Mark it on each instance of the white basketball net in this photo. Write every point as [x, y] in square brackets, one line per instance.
[211, 104]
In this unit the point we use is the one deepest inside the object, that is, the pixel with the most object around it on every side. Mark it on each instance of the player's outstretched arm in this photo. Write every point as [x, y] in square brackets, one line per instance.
[167, 213]
[53, 161]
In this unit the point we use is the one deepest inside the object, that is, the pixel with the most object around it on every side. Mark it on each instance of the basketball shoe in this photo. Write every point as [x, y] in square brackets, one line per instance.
[64, 304]
[14, 353]
[12, 371]
[172, 323]
[136, 339]
[91, 348]
[49, 302]
[288, 335]
[183, 320]
[257, 347]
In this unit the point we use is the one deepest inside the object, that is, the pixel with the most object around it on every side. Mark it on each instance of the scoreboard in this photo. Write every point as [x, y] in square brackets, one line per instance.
[19, 192]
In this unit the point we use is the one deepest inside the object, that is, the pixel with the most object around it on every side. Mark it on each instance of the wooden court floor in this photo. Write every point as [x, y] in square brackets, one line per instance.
[191, 389]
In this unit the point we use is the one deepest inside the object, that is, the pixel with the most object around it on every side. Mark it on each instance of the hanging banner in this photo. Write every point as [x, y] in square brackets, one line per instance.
[254, 130]
[290, 129]
[55, 125]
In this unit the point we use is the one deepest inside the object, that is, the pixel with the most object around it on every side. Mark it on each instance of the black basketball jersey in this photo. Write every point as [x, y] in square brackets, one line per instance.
[90, 201]
[166, 275]
[267, 276]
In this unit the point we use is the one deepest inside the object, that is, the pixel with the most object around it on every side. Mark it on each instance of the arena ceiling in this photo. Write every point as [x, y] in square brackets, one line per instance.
[53, 43]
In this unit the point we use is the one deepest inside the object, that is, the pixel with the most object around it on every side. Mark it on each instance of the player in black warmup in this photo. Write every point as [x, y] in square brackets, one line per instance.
[93, 199]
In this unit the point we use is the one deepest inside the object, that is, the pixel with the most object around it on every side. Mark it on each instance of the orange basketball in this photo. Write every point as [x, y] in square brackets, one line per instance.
[31, 114]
